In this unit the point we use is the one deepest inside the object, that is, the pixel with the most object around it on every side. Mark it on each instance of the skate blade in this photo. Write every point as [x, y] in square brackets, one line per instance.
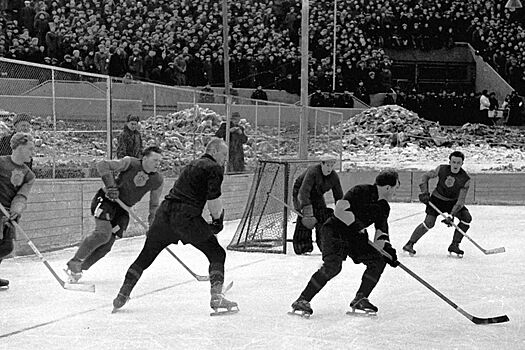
[80, 287]
[455, 255]
[409, 253]
[218, 312]
[362, 313]
[4, 288]
[298, 313]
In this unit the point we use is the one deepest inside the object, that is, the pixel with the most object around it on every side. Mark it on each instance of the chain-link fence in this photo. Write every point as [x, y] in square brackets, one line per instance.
[79, 118]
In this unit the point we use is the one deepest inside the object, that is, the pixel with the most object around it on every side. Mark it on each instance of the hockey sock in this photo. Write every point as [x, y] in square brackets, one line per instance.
[418, 233]
[216, 271]
[131, 279]
[458, 236]
[329, 270]
[371, 277]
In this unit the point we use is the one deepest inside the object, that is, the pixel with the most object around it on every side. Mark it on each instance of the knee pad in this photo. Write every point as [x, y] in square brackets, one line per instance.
[332, 268]
[429, 222]
[464, 217]
[6, 247]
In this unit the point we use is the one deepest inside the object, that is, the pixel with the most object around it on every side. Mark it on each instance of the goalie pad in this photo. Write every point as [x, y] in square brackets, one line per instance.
[343, 213]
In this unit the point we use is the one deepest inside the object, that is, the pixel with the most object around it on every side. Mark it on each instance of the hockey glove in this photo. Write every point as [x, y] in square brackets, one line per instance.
[216, 225]
[392, 261]
[112, 193]
[449, 221]
[308, 219]
[424, 197]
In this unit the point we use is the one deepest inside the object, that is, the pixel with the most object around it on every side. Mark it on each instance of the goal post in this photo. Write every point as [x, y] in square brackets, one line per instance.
[266, 223]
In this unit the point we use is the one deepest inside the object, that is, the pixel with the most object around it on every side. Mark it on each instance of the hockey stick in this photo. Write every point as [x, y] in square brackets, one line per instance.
[141, 223]
[476, 320]
[65, 285]
[485, 251]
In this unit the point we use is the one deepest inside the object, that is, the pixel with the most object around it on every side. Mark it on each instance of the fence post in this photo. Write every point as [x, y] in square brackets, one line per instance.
[279, 131]
[53, 104]
[228, 110]
[315, 129]
[109, 133]
[341, 140]
[154, 101]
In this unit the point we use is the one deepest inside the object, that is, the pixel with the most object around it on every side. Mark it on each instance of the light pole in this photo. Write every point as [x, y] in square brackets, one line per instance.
[303, 123]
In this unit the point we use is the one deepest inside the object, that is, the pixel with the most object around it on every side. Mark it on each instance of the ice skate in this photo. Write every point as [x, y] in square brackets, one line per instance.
[454, 248]
[409, 248]
[361, 306]
[74, 270]
[218, 302]
[4, 284]
[122, 298]
[73, 277]
[301, 307]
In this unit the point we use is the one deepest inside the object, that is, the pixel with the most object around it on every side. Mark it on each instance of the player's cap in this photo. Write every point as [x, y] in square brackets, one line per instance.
[329, 157]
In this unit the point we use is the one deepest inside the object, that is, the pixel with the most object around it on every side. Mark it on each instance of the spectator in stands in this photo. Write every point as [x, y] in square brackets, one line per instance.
[130, 140]
[156, 74]
[362, 93]
[259, 94]
[136, 64]
[345, 100]
[317, 99]
[515, 110]
[493, 108]
[484, 105]
[290, 84]
[116, 67]
[21, 123]
[206, 95]
[237, 139]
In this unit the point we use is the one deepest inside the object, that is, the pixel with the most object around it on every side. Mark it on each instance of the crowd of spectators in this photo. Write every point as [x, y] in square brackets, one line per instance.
[180, 42]
[451, 108]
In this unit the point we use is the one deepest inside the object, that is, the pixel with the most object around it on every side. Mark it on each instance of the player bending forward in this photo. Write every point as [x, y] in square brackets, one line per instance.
[179, 218]
[16, 180]
[344, 234]
[449, 197]
[308, 197]
[136, 178]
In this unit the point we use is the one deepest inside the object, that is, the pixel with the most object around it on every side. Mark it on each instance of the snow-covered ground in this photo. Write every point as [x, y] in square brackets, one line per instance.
[169, 309]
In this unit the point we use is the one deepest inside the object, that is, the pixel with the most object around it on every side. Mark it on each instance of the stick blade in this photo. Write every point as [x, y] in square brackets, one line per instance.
[491, 320]
[80, 287]
[495, 250]
[202, 278]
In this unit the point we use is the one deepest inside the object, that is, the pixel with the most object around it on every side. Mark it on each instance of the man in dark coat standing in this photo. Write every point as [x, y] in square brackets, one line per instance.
[237, 139]
[130, 140]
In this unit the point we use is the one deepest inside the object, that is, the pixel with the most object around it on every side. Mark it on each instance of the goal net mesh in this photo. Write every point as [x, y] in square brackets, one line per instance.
[266, 222]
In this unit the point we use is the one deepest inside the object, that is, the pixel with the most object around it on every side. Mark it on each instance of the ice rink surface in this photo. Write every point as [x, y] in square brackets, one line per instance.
[170, 310]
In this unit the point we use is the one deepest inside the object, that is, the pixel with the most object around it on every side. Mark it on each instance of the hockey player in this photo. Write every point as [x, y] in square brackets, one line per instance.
[449, 197]
[344, 234]
[179, 218]
[16, 180]
[136, 178]
[308, 198]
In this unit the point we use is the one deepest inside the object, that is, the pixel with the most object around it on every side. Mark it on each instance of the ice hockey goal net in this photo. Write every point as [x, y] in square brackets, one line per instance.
[266, 222]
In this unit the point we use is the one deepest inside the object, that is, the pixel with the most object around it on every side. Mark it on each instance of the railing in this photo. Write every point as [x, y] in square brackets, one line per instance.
[78, 116]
